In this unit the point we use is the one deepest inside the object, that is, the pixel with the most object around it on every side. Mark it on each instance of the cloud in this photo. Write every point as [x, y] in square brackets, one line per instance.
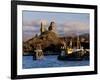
[30, 28]
[63, 29]
[36, 23]
[72, 28]
[28, 23]
[76, 27]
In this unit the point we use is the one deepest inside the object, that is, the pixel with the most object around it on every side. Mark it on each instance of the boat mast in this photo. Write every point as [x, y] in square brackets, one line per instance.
[71, 43]
[78, 42]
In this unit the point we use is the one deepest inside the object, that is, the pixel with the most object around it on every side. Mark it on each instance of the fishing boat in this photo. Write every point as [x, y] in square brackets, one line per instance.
[74, 54]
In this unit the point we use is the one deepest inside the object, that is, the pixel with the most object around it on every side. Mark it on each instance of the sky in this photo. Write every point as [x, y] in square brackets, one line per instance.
[66, 23]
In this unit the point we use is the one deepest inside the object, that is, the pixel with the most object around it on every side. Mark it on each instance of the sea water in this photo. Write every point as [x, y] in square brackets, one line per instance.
[50, 61]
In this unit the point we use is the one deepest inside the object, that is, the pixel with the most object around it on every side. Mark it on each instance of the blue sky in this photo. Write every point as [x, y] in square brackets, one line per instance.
[65, 22]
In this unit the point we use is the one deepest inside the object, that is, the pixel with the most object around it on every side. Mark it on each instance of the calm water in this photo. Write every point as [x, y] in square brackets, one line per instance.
[50, 61]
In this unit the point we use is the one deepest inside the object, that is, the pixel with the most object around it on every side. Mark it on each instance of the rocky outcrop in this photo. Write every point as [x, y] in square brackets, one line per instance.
[48, 40]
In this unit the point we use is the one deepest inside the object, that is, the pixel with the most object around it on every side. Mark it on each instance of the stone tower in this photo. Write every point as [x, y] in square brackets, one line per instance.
[42, 29]
[52, 26]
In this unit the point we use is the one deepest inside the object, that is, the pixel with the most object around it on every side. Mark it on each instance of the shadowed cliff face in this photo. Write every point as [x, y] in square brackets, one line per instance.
[48, 40]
